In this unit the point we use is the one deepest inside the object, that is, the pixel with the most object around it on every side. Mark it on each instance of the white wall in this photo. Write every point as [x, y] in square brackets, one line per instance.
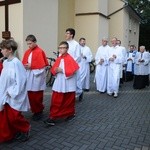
[65, 19]
[86, 6]
[126, 29]
[114, 5]
[103, 7]
[103, 29]
[92, 27]
[116, 26]
[16, 25]
[33, 17]
[41, 19]
[88, 27]
[103, 22]
[131, 29]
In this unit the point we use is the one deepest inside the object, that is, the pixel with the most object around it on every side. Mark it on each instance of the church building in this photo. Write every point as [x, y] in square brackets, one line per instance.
[48, 20]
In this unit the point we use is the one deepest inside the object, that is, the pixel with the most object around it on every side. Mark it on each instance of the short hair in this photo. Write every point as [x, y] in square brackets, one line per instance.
[9, 44]
[115, 38]
[64, 43]
[72, 31]
[31, 38]
[142, 47]
[132, 46]
[82, 38]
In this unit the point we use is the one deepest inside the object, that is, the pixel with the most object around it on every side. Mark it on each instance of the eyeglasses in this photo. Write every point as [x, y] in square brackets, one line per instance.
[62, 47]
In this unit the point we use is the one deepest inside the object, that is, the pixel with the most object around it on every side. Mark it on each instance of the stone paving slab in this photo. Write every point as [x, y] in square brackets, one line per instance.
[101, 123]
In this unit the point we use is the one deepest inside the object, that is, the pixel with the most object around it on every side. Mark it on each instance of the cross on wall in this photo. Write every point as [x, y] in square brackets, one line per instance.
[6, 34]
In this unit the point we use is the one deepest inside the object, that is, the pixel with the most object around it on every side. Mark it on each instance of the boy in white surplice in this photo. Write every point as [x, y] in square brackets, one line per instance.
[13, 96]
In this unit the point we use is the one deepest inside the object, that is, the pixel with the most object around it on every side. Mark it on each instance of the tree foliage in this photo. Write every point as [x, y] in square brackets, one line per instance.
[143, 8]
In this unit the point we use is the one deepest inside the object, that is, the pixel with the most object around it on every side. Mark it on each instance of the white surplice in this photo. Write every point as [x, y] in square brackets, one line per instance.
[129, 66]
[142, 68]
[85, 67]
[124, 58]
[13, 82]
[149, 64]
[114, 69]
[36, 78]
[62, 83]
[75, 51]
[101, 69]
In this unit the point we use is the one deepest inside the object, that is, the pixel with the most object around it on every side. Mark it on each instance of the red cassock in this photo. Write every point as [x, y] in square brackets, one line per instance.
[63, 104]
[36, 101]
[12, 122]
[38, 61]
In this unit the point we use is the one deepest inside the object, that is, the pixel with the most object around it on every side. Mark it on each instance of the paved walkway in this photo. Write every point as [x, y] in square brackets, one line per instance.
[101, 123]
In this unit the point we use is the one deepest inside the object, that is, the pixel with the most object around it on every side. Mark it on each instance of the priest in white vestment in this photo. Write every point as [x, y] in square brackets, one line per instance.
[84, 64]
[101, 66]
[115, 58]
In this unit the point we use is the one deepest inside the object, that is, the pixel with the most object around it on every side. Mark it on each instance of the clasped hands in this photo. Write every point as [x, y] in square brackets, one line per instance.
[112, 58]
[27, 66]
[8, 94]
[129, 59]
[58, 70]
[84, 57]
[141, 60]
[101, 61]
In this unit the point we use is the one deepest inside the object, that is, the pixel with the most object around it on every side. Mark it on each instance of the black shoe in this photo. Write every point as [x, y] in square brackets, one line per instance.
[86, 90]
[37, 116]
[18, 135]
[22, 137]
[70, 118]
[81, 97]
[102, 92]
[49, 122]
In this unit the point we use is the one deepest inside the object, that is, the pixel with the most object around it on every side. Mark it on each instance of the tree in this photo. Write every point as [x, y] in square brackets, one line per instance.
[143, 9]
